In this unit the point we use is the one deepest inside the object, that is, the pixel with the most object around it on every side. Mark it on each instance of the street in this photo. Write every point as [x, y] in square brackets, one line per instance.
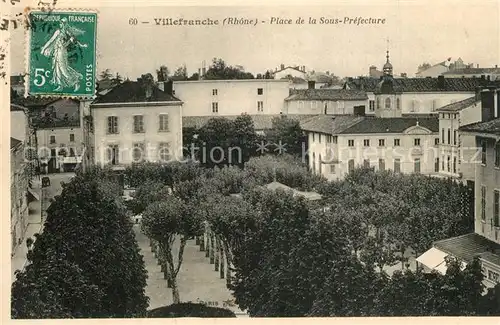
[35, 217]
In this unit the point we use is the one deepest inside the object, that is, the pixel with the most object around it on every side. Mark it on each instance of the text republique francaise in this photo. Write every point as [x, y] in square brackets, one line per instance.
[356, 21]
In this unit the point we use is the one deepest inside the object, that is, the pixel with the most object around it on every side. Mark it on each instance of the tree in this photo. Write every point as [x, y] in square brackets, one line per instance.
[106, 74]
[220, 70]
[180, 73]
[163, 221]
[86, 263]
[424, 66]
[289, 134]
[244, 138]
[118, 79]
[216, 139]
[162, 73]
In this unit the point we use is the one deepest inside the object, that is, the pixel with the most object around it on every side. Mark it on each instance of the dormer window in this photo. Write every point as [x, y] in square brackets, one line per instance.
[387, 102]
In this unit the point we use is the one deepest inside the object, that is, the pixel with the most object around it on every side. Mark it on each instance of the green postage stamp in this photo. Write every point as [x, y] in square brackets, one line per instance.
[61, 53]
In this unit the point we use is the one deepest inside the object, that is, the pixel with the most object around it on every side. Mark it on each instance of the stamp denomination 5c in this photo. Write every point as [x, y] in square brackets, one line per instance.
[61, 53]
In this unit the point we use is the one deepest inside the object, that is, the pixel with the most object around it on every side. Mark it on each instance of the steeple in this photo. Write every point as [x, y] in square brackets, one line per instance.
[387, 69]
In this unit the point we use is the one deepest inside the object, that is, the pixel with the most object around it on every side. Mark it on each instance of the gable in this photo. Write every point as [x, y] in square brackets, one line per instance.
[417, 129]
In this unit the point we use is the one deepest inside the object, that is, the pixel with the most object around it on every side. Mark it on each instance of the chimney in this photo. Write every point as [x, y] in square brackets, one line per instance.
[372, 71]
[477, 66]
[496, 66]
[488, 105]
[441, 82]
[311, 84]
[282, 67]
[168, 87]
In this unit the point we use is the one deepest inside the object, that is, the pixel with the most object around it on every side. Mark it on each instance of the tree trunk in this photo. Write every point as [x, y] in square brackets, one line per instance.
[202, 243]
[207, 251]
[216, 254]
[212, 246]
[197, 240]
[222, 257]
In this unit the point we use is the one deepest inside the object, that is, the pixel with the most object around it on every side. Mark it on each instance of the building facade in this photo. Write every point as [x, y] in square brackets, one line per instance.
[231, 97]
[337, 145]
[470, 72]
[285, 72]
[19, 183]
[456, 150]
[325, 101]
[136, 122]
[433, 71]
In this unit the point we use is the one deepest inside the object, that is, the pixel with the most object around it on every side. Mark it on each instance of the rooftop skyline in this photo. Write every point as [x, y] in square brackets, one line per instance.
[417, 33]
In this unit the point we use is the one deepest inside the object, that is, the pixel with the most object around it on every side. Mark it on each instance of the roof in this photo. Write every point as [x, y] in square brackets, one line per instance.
[15, 107]
[490, 257]
[14, 142]
[474, 71]
[422, 84]
[460, 105]
[492, 127]
[289, 67]
[326, 94]
[467, 246]
[34, 101]
[261, 122]
[330, 124]
[311, 196]
[391, 125]
[443, 63]
[133, 92]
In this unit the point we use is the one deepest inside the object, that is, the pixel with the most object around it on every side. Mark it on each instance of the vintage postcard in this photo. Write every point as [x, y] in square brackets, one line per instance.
[252, 161]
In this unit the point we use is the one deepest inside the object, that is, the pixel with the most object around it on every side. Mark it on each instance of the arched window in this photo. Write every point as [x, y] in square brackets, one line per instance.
[387, 102]
[398, 103]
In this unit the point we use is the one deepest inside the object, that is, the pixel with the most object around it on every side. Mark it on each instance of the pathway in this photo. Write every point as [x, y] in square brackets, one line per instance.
[197, 280]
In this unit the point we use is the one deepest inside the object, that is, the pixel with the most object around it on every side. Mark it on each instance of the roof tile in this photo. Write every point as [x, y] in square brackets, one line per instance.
[133, 91]
[460, 105]
[492, 127]
[467, 246]
[326, 94]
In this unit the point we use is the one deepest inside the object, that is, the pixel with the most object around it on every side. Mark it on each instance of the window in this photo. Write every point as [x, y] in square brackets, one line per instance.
[496, 208]
[483, 202]
[215, 107]
[449, 136]
[442, 135]
[314, 137]
[436, 165]
[71, 137]
[350, 143]
[381, 164]
[396, 142]
[449, 163]
[381, 142]
[378, 102]
[493, 276]
[366, 163]
[351, 165]
[113, 154]
[397, 165]
[164, 152]
[260, 106]
[112, 124]
[260, 91]
[214, 92]
[454, 165]
[71, 152]
[416, 165]
[455, 137]
[332, 169]
[319, 138]
[138, 124]
[372, 105]
[387, 102]
[416, 142]
[436, 141]
[138, 152]
[398, 103]
[335, 139]
[163, 122]
[442, 164]
[52, 152]
[320, 165]
[52, 139]
[497, 154]
[366, 142]
[483, 152]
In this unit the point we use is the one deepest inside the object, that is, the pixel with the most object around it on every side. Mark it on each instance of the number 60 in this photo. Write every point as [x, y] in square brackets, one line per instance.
[40, 77]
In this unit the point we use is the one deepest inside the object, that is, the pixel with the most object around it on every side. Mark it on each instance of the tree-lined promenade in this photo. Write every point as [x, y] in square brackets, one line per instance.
[288, 257]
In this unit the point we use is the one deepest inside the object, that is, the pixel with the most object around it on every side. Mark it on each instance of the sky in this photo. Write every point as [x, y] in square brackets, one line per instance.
[425, 31]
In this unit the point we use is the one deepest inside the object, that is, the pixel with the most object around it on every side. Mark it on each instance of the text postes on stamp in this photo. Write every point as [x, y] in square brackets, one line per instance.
[62, 53]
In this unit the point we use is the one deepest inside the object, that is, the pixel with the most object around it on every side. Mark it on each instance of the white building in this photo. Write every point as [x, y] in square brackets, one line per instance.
[231, 97]
[337, 145]
[433, 71]
[455, 158]
[290, 71]
[325, 101]
[399, 97]
[136, 122]
[470, 72]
